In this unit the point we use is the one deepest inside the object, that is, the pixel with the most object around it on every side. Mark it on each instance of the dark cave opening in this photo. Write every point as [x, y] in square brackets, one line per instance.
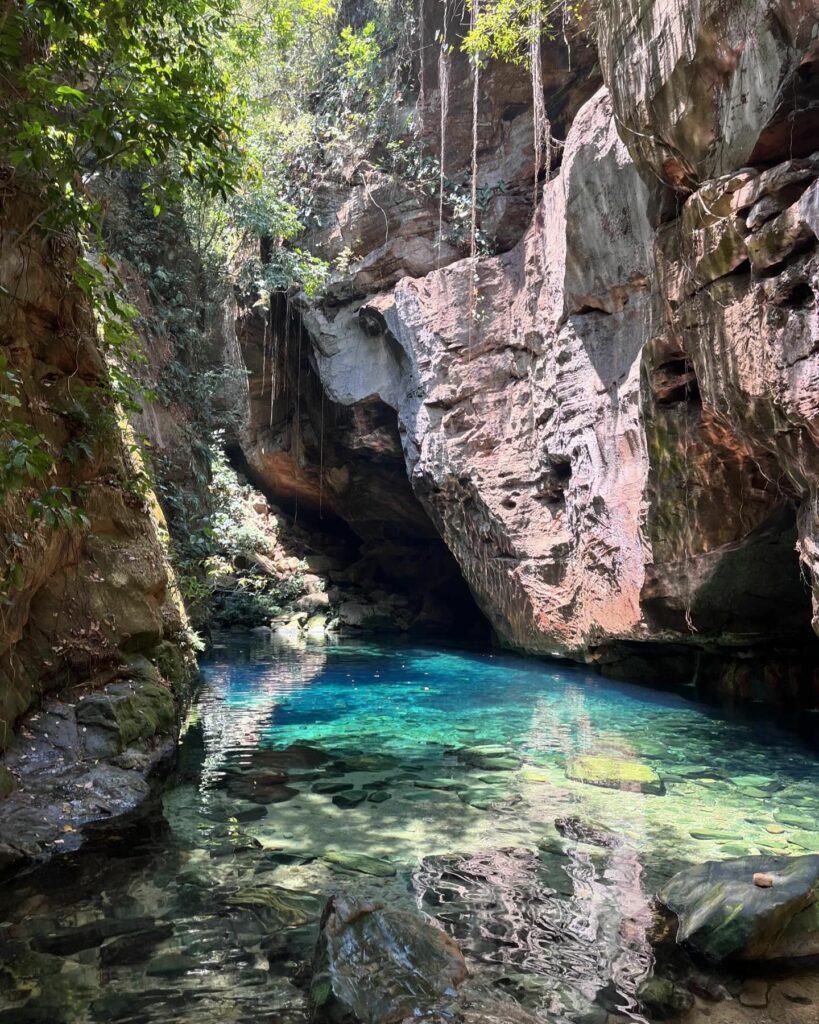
[393, 559]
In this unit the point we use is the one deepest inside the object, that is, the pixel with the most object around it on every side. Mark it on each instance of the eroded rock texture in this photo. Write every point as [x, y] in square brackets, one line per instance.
[78, 599]
[612, 421]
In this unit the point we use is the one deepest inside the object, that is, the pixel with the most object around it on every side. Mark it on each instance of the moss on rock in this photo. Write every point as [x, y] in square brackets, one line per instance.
[615, 773]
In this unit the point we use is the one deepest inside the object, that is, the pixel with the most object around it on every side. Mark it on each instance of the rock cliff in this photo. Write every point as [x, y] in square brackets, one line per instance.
[612, 420]
[88, 600]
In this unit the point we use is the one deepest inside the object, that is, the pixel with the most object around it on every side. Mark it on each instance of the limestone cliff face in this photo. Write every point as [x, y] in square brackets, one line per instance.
[84, 599]
[613, 422]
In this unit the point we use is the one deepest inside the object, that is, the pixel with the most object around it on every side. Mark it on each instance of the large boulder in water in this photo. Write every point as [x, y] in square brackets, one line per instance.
[724, 914]
[380, 966]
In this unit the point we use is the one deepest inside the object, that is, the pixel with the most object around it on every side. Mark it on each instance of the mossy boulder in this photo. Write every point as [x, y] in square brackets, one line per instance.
[124, 714]
[663, 999]
[615, 773]
[723, 915]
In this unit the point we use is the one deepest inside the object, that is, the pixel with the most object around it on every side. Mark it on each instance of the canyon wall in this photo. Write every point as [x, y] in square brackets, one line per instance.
[612, 420]
[84, 595]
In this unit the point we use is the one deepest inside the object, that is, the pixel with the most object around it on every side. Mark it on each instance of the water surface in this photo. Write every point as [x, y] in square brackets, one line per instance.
[206, 911]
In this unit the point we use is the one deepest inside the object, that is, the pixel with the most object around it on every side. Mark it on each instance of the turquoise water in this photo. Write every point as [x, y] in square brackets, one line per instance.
[443, 772]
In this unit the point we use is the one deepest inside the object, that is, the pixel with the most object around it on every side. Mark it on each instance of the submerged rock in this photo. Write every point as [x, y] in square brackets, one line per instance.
[380, 966]
[723, 915]
[289, 908]
[587, 832]
[615, 773]
[351, 799]
[663, 999]
[361, 863]
[490, 757]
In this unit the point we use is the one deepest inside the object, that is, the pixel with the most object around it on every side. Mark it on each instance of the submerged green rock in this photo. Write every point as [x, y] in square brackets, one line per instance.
[361, 863]
[663, 999]
[615, 773]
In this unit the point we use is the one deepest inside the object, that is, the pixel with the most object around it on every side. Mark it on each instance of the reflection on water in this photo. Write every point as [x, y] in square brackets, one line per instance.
[424, 777]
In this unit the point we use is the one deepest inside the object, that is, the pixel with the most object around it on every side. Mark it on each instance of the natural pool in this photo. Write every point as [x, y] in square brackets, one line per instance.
[420, 776]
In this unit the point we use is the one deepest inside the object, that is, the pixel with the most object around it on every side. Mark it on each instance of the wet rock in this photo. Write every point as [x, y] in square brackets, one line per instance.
[351, 799]
[262, 789]
[379, 965]
[7, 782]
[797, 819]
[490, 757]
[88, 936]
[442, 784]
[329, 788]
[754, 993]
[250, 814]
[366, 763]
[297, 755]
[723, 915]
[663, 999]
[615, 773]
[587, 832]
[169, 964]
[805, 841]
[361, 863]
[286, 908]
[134, 947]
[715, 834]
[379, 796]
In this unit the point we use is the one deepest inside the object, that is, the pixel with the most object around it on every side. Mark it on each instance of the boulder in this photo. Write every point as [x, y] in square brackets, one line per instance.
[663, 999]
[380, 966]
[723, 915]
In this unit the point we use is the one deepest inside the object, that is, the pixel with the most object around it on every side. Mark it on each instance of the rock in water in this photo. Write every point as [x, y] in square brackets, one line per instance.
[723, 915]
[361, 863]
[587, 832]
[615, 773]
[663, 999]
[378, 965]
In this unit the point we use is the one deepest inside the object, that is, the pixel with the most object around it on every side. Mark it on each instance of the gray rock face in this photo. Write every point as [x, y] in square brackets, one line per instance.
[704, 87]
[724, 915]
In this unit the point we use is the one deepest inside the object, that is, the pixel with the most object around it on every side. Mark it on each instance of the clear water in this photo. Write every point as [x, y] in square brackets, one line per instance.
[207, 910]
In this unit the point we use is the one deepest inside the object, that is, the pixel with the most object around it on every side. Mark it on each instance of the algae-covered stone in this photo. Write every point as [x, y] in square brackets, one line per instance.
[797, 819]
[7, 782]
[805, 841]
[663, 999]
[723, 915]
[124, 714]
[360, 863]
[715, 834]
[615, 773]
